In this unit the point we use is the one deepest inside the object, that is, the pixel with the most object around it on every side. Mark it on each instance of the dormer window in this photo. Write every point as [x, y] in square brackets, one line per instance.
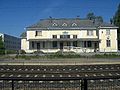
[74, 24]
[64, 24]
[54, 24]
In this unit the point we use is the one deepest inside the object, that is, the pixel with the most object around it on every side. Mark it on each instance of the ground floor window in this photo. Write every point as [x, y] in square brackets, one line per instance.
[75, 43]
[89, 44]
[43, 44]
[108, 43]
[54, 44]
[32, 44]
[38, 45]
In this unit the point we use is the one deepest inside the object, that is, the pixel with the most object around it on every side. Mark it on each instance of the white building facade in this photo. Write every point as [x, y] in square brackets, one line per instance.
[80, 36]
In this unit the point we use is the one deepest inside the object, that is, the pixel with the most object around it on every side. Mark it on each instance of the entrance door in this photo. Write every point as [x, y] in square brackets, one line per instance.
[61, 45]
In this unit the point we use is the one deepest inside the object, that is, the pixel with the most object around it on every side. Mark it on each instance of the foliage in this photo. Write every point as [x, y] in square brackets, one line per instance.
[22, 52]
[2, 49]
[92, 16]
[23, 35]
[116, 21]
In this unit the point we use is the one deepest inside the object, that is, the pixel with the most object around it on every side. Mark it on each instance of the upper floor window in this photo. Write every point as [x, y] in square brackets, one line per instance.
[54, 24]
[74, 24]
[90, 32]
[64, 36]
[74, 36]
[64, 24]
[54, 36]
[107, 31]
[108, 43]
[38, 33]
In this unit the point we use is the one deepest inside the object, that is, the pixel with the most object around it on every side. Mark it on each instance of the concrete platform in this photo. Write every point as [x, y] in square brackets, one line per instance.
[65, 61]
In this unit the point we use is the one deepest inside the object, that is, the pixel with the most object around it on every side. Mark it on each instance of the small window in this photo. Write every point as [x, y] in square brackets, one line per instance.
[90, 32]
[54, 24]
[108, 43]
[38, 33]
[65, 36]
[74, 36]
[54, 36]
[64, 24]
[74, 24]
[107, 31]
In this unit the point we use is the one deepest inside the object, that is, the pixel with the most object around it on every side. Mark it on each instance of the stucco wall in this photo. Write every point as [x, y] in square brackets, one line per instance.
[112, 37]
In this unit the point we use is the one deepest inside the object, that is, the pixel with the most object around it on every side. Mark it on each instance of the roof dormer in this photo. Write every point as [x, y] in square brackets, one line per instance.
[74, 24]
[64, 24]
[54, 24]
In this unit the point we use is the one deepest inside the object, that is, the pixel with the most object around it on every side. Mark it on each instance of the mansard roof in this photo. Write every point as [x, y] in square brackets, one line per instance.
[68, 23]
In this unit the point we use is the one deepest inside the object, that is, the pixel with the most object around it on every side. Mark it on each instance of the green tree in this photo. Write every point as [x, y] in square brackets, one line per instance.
[116, 21]
[2, 49]
[92, 16]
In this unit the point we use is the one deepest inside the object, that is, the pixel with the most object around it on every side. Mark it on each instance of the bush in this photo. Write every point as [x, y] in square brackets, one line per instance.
[22, 52]
[11, 51]
[38, 52]
[2, 52]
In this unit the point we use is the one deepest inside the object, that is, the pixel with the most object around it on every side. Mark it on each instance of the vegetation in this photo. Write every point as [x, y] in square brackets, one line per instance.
[2, 49]
[91, 16]
[116, 20]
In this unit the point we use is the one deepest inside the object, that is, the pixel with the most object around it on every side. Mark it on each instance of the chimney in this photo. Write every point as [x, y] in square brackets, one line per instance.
[50, 19]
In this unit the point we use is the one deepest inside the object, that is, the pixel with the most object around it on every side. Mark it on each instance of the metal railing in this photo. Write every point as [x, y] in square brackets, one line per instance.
[61, 83]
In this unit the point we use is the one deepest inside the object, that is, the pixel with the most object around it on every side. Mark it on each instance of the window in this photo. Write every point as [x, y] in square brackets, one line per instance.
[84, 43]
[90, 32]
[32, 44]
[89, 43]
[107, 31]
[75, 43]
[38, 33]
[64, 24]
[108, 43]
[43, 44]
[74, 36]
[54, 44]
[38, 45]
[74, 24]
[54, 36]
[64, 36]
[54, 24]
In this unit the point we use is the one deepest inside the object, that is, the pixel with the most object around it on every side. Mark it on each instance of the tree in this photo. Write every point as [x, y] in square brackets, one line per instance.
[2, 49]
[116, 21]
[92, 16]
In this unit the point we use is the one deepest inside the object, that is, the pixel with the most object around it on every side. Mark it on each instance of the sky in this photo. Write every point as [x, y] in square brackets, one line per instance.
[16, 15]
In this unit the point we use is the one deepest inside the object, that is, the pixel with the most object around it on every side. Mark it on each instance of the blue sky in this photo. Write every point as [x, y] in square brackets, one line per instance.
[15, 15]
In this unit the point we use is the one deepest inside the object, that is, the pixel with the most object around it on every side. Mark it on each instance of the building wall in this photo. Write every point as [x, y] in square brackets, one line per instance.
[11, 42]
[47, 34]
[112, 37]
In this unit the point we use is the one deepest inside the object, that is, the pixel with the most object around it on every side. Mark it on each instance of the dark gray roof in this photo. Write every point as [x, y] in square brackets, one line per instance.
[71, 23]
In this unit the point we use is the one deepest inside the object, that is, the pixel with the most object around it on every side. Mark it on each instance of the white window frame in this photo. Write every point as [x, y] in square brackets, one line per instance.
[74, 24]
[107, 31]
[89, 32]
[38, 33]
[64, 24]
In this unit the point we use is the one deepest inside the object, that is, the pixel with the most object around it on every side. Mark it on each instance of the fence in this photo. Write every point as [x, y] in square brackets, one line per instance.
[62, 83]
